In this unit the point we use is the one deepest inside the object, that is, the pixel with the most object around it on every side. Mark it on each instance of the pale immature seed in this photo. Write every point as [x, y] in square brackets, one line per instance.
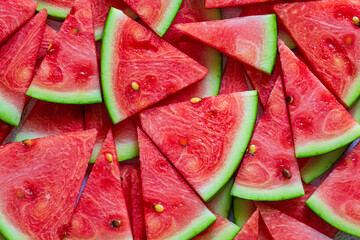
[158, 207]
[109, 157]
[356, 21]
[252, 149]
[196, 100]
[135, 86]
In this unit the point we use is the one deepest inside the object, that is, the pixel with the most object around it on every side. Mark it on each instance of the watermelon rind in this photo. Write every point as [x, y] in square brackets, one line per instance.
[23, 135]
[328, 215]
[242, 139]
[52, 10]
[9, 231]
[126, 151]
[8, 112]
[228, 232]
[214, 65]
[243, 209]
[270, 44]
[168, 17]
[221, 202]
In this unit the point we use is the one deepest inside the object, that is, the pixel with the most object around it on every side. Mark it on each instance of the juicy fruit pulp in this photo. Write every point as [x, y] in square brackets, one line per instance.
[139, 68]
[233, 79]
[41, 184]
[69, 71]
[168, 214]
[230, 3]
[250, 231]
[207, 145]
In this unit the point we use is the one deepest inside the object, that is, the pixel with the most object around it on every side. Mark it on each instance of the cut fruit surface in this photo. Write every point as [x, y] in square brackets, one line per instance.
[221, 202]
[319, 123]
[160, 69]
[269, 170]
[42, 184]
[69, 71]
[18, 58]
[250, 231]
[101, 212]
[48, 38]
[251, 40]
[205, 140]
[230, 3]
[329, 26]
[337, 198]
[172, 210]
[233, 79]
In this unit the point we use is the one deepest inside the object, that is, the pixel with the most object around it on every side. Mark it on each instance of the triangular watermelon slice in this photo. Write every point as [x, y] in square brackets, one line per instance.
[250, 231]
[13, 14]
[172, 210]
[337, 199]
[69, 71]
[157, 14]
[48, 37]
[282, 226]
[269, 170]
[5, 129]
[41, 184]
[18, 58]
[206, 138]
[319, 122]
[251, 40]
[131, 183]
[151, 69]
[46, 119]
[221, 202]
[336, 55]
[264, 233]
[101, 212]
[230, 3]
[233, 79]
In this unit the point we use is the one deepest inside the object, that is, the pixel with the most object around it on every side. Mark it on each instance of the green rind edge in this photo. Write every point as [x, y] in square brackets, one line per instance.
[127, 151]
[221, 203]
[53, 10]
[168, 17]
[228, 232]
[8, 112]
[75, 97]
[320, 164]
[275, 194]
[195, 227]
[328, 215]
[23, 135]
[317, 148]
[9, 230]
[214, 66]
[243, 209]
[270, 46]
[354, 92]
[238, 148]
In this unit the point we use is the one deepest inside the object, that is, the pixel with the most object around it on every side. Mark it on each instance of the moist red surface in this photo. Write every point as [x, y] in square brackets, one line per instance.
[315, 114]
[198, 143]
[39, 192]
[329, 26]
[5, 129]
[48, 38]
[264, 233]
[250, 231]
[274, 149]
[13, 14]
[229, 3]
[161, 184]
[233, 79]
[58, 3]
[16, 72]
[131, 183]
[102, 201]
[282, 226]
[70, 64]
[156, 66]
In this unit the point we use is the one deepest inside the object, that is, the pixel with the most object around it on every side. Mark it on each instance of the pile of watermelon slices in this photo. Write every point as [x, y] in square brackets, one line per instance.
[176, 119]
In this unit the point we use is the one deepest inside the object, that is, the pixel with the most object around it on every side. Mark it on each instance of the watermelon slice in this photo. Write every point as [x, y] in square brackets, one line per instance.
[243, 210]
[69, 71]
[147, 69]
[319, 122]
[18, 58]
[251, 40]
[335, 57]
[337, 199]
[230, 3]
[96, 116]
[250, 231]
[269, 170]
[233, 79]
[157, 14]
[101, 212]
[13, 14]
[207, 145]
[5, 129]
[168, 214]
[264, 233]
[34, 203]
[282, 226]
[221, 203]
[48, 38]
[221, 229]
[131, 183]
[46, 119]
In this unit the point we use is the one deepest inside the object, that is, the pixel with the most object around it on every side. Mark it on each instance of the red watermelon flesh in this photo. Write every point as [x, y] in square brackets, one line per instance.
[201, 145]
[147, 68]
[48, 38]
[131, 183]
[16, 72]
[328, 26]
[264, 233]
[41, 184]
[230, 3]
[233, 79]
[171, 208]
[250, 231]
[319, 122]
[69, 71]
[46, 119]
[5, 129]
[13, 14]
[271, 152]
[102, 202]
[282, 226]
